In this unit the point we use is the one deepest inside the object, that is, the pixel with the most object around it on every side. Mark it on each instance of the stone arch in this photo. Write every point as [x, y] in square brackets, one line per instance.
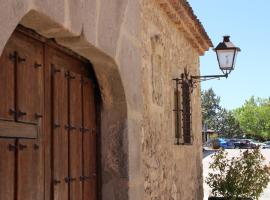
[113, 111]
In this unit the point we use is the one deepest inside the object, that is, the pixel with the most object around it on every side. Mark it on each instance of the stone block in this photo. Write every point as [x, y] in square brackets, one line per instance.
[135, 150]
[133, 18]
[90, 20]
[44, 25]
[55, 9]
[136, 192]
[130, 70]
[111, 15]
[74, 17]
[11, 13]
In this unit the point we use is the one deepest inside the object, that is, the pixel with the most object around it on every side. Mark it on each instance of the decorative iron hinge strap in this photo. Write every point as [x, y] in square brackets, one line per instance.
[69, 179]
[70, 127]
[54, 69]
[56, 182]
[18, 113]
[83, 178]
[37, 65]
[69, 76]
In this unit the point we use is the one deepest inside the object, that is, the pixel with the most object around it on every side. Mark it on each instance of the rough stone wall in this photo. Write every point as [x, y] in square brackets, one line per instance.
[135, 50]
[107, 32]
[171, 172]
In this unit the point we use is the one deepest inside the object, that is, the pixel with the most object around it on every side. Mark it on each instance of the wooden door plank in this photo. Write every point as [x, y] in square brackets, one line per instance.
[7, 64]
[60, 133]
[75, 136]
[29, 77]
[7, 169]
[89, 141]
[90, 189]
[30, 170]
[10, 129]
[89, 120]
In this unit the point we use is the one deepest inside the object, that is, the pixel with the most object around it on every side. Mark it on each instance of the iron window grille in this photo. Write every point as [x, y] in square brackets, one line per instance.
[183, 110]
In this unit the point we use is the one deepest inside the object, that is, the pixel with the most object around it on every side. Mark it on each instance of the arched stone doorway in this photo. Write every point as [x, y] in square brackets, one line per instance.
[113, 150]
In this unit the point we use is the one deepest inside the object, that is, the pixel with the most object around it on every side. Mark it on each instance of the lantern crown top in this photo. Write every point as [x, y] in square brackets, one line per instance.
[226, 38]
[226, 44]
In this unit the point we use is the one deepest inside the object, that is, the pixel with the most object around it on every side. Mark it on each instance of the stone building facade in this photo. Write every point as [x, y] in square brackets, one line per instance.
[136, 48]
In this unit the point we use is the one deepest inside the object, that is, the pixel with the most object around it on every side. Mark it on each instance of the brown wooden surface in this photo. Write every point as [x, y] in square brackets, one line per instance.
[60, 134]
[29, 77]
[32, 169]
[7, 82]
[14, 129]
[90, 189]
[89, 140]
[75, 135]
[7, 169]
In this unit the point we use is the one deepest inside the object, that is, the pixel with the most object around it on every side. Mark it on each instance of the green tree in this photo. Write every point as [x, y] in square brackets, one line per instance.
[254, 117]
[228, 125]
[210, 107]
[218, 118]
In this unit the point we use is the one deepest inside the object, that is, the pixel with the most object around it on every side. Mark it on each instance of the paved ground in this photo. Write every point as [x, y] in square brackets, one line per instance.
[232, 152]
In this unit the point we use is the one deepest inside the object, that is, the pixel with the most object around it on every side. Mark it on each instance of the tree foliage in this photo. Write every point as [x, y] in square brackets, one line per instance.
[238, 177]
[210, 107]
[254, 117]
[218, 118]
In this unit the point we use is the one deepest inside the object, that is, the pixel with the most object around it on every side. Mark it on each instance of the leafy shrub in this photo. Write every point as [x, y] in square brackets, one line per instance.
[238, 177]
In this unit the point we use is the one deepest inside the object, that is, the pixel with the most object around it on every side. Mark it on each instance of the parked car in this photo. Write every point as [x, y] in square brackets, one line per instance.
[222, 143]
[256, 144]
[267, 145]
[243, 144]
[229, 144]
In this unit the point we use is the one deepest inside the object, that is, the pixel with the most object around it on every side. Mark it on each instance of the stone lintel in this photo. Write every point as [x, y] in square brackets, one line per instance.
[182, 15]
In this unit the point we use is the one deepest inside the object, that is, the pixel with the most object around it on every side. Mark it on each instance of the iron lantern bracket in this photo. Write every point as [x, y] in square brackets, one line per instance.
[193, 80]
[196, 79]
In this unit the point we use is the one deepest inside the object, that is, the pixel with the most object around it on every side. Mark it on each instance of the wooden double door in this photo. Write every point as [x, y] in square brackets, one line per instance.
[47, 122]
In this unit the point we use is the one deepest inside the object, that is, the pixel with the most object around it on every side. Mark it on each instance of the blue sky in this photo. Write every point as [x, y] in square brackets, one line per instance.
[248, 24]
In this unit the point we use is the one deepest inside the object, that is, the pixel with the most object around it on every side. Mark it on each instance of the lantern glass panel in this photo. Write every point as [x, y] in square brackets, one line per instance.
[226, 59]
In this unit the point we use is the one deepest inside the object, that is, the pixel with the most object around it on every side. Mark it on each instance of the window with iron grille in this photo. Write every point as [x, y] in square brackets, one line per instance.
[182, 110]
[186, 112]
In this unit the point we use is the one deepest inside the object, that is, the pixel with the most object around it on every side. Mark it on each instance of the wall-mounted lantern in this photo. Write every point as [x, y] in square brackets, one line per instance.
[226, 53]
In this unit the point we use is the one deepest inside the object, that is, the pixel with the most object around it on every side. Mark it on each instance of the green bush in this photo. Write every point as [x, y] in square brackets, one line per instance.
[238, 177]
